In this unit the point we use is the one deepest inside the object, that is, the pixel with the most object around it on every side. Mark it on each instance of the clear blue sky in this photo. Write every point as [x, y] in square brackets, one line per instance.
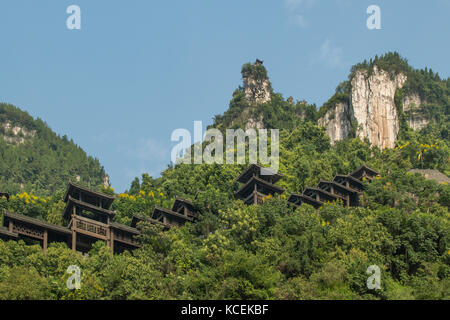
[139, 69]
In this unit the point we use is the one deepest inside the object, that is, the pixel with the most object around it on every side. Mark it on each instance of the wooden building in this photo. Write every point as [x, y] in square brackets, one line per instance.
[258, 182]
[346, 188]
[184, 207]
[33, 230]
[182, 211]
[351, 195]
[323, 196]
[364, 172]
[349, 182]
[89, 220]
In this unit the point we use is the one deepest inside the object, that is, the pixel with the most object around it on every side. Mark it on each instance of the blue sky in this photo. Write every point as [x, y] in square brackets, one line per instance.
[137, 70]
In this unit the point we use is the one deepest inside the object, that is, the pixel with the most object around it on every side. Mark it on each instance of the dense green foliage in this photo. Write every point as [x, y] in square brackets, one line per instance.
[270, 251]
[43, 162]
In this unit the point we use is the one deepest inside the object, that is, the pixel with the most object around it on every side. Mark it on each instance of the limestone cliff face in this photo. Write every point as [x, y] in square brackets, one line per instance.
[338, 122]
[372, 108]
[372, 102]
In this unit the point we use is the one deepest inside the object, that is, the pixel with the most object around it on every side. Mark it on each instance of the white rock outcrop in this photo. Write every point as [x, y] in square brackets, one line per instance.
[337, 122]
[372, 102]
[372, 108]
[257, 91]
[15, 134]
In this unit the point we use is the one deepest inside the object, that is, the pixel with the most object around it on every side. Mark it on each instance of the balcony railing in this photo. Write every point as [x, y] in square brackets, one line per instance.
[91, 227]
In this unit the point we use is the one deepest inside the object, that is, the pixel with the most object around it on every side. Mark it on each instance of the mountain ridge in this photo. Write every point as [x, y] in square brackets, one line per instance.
[406, 98]
[34, 158]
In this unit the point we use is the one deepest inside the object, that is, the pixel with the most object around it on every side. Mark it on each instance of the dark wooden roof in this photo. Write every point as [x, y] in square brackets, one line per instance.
[358, 171]
[359, 182]
[255, 169]
[36, 222]
[84, 205]
[338, 185]
[331, 195]
[72, 187]
[295, 198]
[170, 213]
[183, 202]
[255, 180]
[123, 227]
[4, 194]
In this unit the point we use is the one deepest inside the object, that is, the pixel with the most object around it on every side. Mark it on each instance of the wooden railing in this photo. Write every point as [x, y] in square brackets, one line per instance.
[91, 227]
[27, 230]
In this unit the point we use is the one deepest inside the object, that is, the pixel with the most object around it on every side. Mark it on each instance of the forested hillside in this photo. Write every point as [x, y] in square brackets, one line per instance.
[35, 159]
[270, 251]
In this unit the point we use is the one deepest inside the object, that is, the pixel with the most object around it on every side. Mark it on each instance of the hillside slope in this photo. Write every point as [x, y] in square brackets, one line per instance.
[267, 251]
[34, 158]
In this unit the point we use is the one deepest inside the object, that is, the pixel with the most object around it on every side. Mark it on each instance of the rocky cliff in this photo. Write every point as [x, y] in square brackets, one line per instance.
[257, 90]
[380, 100]
[337, 121]
[373, 106]
[372, 109]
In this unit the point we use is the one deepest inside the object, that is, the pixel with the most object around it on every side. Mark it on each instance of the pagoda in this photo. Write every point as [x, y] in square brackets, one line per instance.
[258, 183]
[91, 220]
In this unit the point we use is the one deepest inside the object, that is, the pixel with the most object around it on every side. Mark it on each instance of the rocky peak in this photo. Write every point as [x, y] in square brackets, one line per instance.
[257, 87]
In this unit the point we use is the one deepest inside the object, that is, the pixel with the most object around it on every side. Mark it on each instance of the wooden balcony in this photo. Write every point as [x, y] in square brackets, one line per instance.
[90, 227]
